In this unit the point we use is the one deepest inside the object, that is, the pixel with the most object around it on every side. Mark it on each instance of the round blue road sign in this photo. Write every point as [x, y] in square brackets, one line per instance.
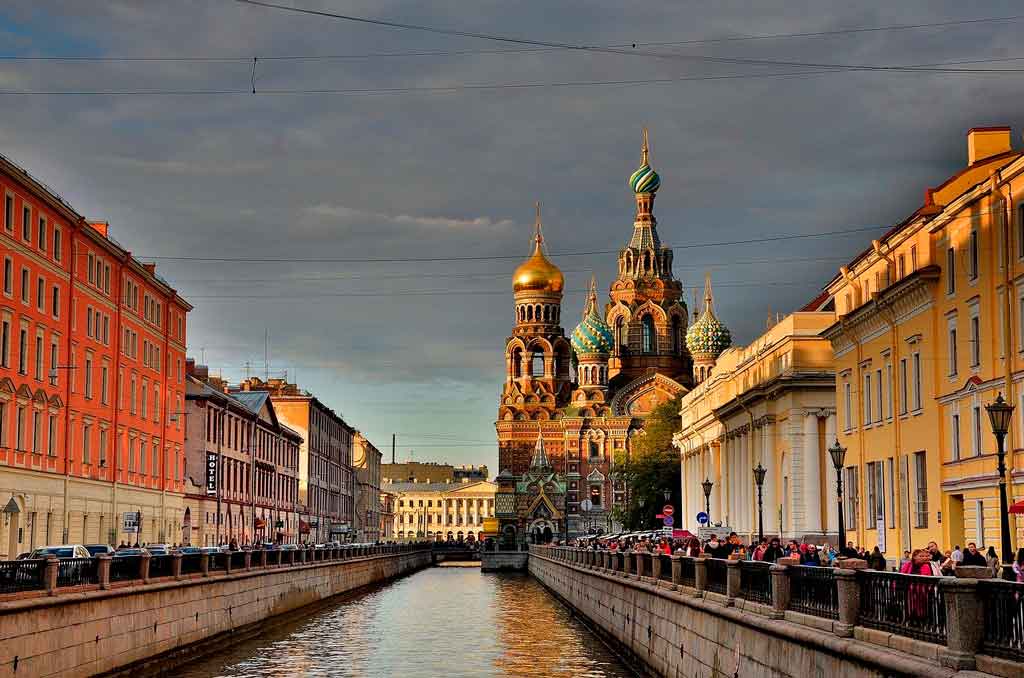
[703, 518]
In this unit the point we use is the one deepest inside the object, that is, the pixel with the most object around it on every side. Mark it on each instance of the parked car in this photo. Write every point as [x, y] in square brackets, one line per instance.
[211, 549]
[158, 549]
[99, 549]
[185, 550]
[289, 547]
[126, 552]
[61, 551]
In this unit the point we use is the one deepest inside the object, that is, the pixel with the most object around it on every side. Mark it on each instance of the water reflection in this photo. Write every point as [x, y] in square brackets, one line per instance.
[437, 622]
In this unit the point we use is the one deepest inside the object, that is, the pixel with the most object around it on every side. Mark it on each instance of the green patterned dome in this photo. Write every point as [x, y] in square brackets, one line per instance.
[592, 335]
[708, 337]
[645, 179]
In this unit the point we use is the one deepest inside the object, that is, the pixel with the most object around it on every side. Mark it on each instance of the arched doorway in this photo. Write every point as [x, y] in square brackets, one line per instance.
[186, 527]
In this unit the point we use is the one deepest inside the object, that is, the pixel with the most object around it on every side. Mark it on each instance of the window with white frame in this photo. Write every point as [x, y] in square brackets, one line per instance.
[973, 262]
[916, 358]
[951, 346]
[979, 523]
[867, 398]
[975, 336]
[954, 435]
[888, 388]
[904, 386]
[921, 490]
[976, 435]
[950, 271]
[878, 394]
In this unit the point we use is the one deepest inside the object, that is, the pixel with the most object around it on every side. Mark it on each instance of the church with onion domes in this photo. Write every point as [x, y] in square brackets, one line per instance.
[581, 399]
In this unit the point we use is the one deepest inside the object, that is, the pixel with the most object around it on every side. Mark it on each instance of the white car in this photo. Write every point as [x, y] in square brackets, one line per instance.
[61, 551]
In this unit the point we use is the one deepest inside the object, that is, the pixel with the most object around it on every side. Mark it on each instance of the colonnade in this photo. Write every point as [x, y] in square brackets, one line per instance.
[799, 486]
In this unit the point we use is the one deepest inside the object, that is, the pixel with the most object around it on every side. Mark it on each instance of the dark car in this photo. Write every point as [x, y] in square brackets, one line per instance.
[99, 549]
[124, 553]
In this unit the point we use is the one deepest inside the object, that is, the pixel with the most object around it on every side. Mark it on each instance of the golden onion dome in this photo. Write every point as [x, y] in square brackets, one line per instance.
[538, 274]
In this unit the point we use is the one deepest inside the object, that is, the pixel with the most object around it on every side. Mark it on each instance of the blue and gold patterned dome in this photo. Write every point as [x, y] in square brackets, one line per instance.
[592, 336]
[645, 179]
[708, 337]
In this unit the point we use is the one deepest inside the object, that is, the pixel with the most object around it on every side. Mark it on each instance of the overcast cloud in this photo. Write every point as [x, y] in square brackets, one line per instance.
[401, 347]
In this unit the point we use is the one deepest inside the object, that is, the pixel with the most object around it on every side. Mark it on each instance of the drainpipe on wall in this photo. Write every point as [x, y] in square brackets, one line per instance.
[1007, 194]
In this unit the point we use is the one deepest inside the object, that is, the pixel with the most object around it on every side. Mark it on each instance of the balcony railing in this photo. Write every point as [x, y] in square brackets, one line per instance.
[908, 605]
[813, 591]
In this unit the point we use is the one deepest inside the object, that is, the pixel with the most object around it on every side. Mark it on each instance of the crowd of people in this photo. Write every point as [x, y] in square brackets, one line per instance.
[930, 560]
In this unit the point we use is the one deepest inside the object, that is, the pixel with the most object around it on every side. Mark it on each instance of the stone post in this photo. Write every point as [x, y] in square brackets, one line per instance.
[204, 564]
[613, 561]
[732, 580]
[176, 564]
[656, 566]
[700, 575]
[677, 571]
[103, 570]
[965, 620]
[780, 591]
[638, 563]
[228, 557]
[848, 596]
[263, 557]
[144, 566]
[248, 560]
[50, 574]
[606, 557]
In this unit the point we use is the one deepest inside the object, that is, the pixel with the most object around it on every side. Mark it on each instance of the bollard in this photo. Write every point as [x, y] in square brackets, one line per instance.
[263, 557]
[965, 621]
[656, 566]
[50, 570]
[204, 564]
[144, 566]
[176, 564]
[848, 594]
[780, 591]
[248, 560]
[700, 575]
[732, 581]
[103, 569]
[227, 562]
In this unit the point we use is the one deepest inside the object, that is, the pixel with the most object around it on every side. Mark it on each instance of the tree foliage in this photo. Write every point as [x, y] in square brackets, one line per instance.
[651, 468]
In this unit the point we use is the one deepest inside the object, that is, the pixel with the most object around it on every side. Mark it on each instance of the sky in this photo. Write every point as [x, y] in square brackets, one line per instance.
[411, 145]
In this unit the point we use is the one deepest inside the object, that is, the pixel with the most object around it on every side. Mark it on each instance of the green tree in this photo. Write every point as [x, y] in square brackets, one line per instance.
[650, 469]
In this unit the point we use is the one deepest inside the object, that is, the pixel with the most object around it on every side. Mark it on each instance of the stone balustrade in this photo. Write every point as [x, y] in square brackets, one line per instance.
[965, 622]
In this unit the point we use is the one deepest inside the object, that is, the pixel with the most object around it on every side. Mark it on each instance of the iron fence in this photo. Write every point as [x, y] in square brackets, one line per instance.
[238, 560]
[689, 574]
[124, 568]
[905, 604]
[161, 566]
[1003, 633]
[76, 571]
[756, 581]
[813, 591]
[717, 575]
[192, 563]
[22, 575]
[218, 561]
[666, 567]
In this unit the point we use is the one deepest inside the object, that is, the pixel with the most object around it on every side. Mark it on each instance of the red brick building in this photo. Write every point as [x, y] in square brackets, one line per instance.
[92, 352]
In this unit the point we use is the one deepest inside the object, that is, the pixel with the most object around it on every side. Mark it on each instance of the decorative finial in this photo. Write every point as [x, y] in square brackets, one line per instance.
[645, 149]
[708, 298]
[696, 306]
[591, 305]
[538, 237]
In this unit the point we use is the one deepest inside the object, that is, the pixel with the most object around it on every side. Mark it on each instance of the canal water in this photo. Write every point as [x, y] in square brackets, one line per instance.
[442, 621]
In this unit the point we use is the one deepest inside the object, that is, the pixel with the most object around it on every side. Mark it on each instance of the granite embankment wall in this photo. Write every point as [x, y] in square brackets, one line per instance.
[144, 628]
[676, 631]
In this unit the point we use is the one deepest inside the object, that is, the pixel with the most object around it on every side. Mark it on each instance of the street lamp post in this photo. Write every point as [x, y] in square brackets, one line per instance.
[707, 485]
[641, 502]
[759, 474]
[838, 454]
[999, 414]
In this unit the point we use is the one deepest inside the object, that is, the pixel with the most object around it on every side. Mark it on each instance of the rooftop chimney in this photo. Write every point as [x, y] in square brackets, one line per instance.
[984, 142]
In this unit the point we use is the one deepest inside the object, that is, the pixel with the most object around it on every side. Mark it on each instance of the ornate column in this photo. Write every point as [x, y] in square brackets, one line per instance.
[773, 479]
[444, 515]
[717, 476]
[811, 474]
[831, 506]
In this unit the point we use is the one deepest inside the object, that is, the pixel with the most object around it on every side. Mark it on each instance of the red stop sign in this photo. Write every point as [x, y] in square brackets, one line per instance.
[668, 510]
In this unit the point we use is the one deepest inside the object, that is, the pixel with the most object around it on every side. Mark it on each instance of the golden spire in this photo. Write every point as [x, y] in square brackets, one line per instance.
[644, 150]
[708, 298]
[538, 237]
[537, 272]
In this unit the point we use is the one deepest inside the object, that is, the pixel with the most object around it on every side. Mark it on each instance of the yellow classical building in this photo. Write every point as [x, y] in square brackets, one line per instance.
[770, 403]
[440, 511]
[930, 326]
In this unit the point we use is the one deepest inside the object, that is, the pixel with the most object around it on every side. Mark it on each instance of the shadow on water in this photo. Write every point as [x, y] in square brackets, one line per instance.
[448, 621]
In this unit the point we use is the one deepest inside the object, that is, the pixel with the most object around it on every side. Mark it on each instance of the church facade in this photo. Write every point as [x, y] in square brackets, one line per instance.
[585, 396]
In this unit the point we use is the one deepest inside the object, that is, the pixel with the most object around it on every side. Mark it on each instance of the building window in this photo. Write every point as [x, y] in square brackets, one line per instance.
[56, 244]
[19, 430]
[8, 276]
[86, 436]
[879, 392]
[954, 435]
[42, 233]
[647, 334]
[37, 433]
[39, 357]
[867, 399]
[889, 387]
[155, 469]
[88, 376]
[24, 286]
[90, 262]
[41, 294]
[950, 271]
[26, 224]
[9, 212]
[23, 351]
[104, 383]
[917, 381]
[5, 343]
[975, 341]
[921, 494]
[976, 434]
[913, 258]
[974, 255]
[55, 302]
[131, 396]
[852, 495]
[103, 448]
[951, 349]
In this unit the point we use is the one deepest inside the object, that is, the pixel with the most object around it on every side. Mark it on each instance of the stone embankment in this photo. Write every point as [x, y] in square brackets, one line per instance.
[706, 618]
[150, 624]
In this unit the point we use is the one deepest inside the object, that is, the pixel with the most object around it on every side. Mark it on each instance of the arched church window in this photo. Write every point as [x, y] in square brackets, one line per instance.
[619, 322]
[676, 335]
[537, 364]
[595, 449]
[517, 363]
[647, 326]
[529, 312]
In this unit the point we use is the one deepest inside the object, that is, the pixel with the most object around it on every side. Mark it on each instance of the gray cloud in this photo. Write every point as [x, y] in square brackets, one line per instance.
[427, 175]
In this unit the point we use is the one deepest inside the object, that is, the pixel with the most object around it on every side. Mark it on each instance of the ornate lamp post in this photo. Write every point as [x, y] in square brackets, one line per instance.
[707, 485]
[999, 414]
[667, 493]
[838, 454]
[759, 474]
[641, 501]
